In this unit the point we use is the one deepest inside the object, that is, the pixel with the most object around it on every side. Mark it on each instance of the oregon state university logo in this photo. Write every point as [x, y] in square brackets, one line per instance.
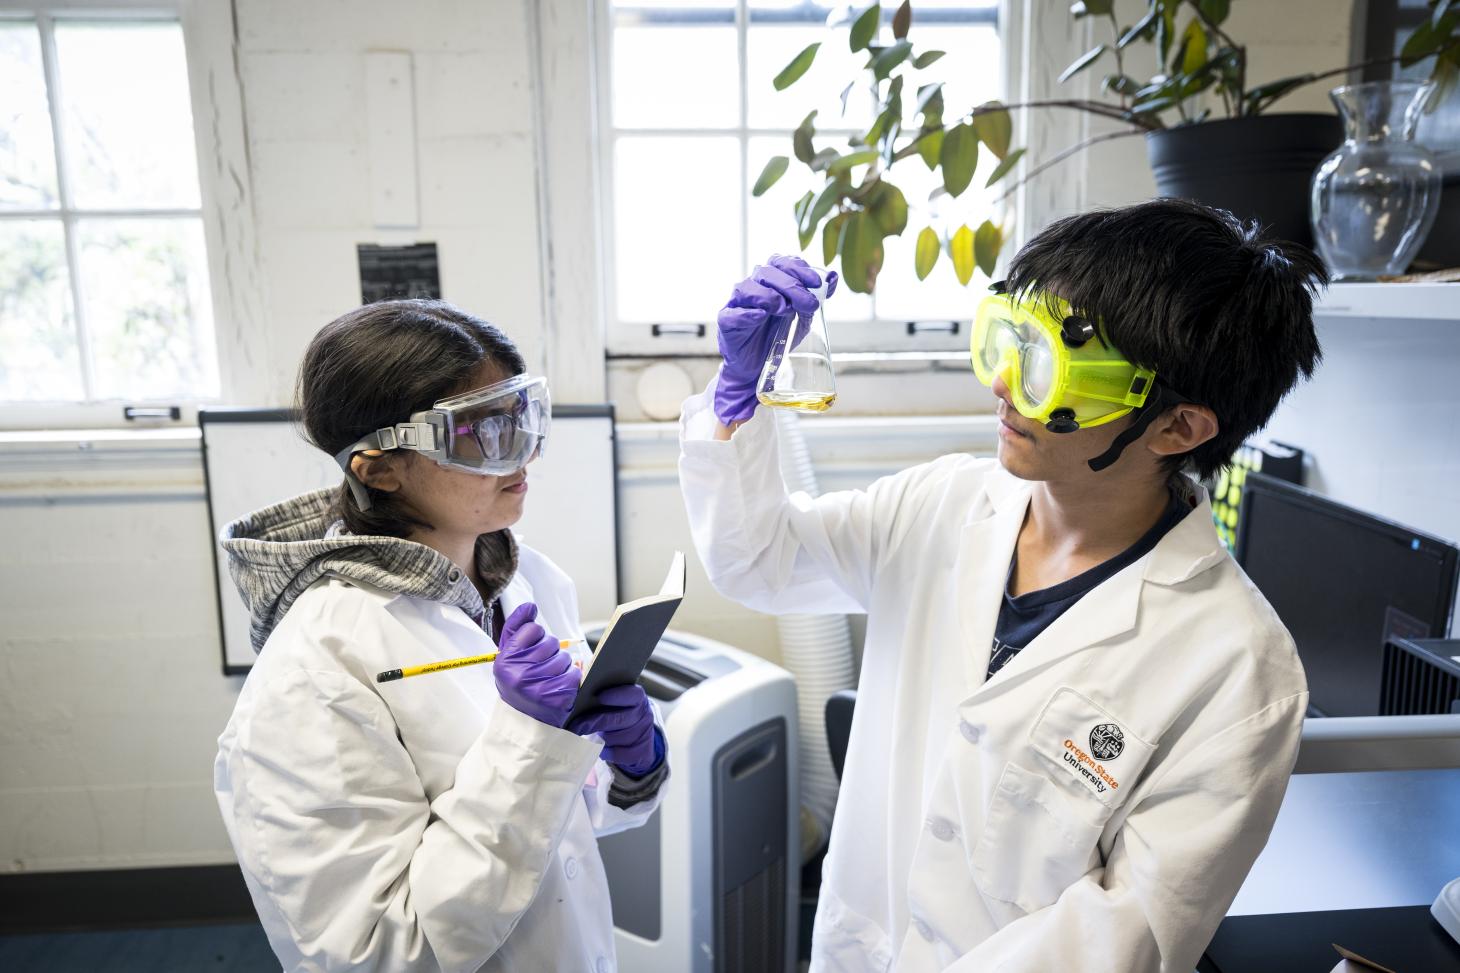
[1106, 741]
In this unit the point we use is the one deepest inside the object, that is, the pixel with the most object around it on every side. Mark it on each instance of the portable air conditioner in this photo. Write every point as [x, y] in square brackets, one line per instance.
[710, 884]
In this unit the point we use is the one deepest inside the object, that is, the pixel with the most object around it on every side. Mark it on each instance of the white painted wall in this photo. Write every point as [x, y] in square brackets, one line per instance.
[111, 696]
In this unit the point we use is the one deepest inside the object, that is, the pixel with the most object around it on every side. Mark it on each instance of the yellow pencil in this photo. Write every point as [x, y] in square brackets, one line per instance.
[391, 675]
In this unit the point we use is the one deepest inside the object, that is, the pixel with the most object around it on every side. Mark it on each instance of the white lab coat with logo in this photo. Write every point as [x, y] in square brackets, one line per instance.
[426, 826]
[1093, 807]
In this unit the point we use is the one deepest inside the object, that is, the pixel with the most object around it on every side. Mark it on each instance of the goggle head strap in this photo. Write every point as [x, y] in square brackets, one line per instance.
[419, 436]
[1162, 397]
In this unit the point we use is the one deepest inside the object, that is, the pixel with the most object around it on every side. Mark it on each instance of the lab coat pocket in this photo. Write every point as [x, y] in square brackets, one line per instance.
[1089, 750]
[1035, 841]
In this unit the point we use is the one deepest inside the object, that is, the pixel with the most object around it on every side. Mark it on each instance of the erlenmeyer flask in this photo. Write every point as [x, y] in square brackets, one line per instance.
[798, 373]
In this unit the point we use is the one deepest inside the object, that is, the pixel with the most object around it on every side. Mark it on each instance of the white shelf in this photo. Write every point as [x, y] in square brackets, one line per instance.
[1424, 302]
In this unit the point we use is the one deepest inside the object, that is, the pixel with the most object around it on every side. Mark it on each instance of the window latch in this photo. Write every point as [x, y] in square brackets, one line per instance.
[132, 413]
[915, 328]
[678, 330]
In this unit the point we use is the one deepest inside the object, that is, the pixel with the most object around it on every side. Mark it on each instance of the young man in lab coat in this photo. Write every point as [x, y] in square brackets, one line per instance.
[1076, 718]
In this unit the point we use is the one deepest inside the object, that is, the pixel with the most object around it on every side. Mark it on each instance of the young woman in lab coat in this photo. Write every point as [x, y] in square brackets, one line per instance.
[448, 821]
[1075, 718]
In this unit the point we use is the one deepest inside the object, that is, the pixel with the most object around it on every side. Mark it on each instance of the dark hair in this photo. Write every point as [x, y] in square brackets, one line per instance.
[1221, 315]
[375, 366]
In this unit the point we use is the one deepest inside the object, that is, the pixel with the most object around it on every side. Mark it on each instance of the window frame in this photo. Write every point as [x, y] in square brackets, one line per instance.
[877, 336]
[224, 187]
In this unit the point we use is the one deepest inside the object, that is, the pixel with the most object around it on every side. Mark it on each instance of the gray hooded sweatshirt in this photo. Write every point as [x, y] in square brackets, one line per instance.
[279, 552]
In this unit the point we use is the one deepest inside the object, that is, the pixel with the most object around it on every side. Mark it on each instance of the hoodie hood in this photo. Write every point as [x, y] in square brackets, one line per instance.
[277, 553]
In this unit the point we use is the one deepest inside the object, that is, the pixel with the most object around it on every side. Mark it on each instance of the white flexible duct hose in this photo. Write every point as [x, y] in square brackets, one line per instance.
[818, 651]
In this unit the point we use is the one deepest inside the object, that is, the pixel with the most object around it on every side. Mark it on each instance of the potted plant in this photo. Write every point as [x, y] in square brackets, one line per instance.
[1209, 133]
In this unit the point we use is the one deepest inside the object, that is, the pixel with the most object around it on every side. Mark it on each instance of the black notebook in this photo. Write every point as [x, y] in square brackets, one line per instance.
[630, 638]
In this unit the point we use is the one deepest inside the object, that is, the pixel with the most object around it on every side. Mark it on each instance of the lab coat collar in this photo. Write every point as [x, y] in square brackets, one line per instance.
[1192, 546]
[1110, 611]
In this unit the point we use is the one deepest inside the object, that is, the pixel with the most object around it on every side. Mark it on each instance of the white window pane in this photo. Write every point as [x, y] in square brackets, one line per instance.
[38, 360]
[676, 219]
[672, 5]
[675, 77]
[772, 226]
[971, 72]
[145, 286]
[769, 49]
[27, 151]
[900, 295]
[127, 118]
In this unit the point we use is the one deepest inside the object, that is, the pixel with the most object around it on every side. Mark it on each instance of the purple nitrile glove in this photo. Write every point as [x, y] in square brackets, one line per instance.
[631, 741]
[534, 675]
[760, 308]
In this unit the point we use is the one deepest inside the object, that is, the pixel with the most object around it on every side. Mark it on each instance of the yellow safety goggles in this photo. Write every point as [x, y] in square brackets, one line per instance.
[1059, 369]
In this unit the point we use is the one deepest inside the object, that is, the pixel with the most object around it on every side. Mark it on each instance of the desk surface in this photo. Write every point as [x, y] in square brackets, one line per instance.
[1405, 939]
[1366, 840]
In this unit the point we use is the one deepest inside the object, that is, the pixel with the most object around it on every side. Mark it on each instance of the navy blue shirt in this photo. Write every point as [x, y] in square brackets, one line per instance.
[1022, 618]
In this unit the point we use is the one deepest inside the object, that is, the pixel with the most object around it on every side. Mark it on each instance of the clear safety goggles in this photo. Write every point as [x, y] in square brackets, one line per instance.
[492, 431]
[1059, 369]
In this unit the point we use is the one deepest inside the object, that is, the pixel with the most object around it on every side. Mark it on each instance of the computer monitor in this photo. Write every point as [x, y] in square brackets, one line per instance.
[1342, 581]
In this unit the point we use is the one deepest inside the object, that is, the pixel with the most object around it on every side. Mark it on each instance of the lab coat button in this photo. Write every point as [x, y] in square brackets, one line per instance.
[570, 868]
[924, 930]
[941, 828]
[969, 731]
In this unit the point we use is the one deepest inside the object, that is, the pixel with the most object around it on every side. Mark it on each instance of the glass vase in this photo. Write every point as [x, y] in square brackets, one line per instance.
[1374, 198]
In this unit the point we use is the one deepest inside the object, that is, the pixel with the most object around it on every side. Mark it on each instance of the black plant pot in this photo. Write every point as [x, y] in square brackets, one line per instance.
[1259, 168]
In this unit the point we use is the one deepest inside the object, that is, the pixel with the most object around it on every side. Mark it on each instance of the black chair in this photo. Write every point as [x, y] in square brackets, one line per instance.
[839, 708]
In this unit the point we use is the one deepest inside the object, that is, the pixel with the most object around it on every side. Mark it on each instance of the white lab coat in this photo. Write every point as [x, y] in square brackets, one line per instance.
[970, 834]
[422, 824]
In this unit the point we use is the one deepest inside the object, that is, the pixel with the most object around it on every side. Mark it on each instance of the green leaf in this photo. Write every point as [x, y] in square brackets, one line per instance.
[846, 162]
[994, 129]
[1192, 55]
[925, 254]
[847, 93]
[831, 238]
[802, 207]
[926, 58]
[960, 248]
[1081, 63]
[830, 194]
[986, 245]
[889, 209]
[1265, 94]
[1121, 84]
[930, 147]
[902, 20]
[927, 93]
[1428, 38]
[1005, 167]
[865, 27]
[959, 157]
[1215, 10]
[861, 248]
[1152, 105]
[1143, 29]
[821, 160]
[890, 58]
[1092, 8]
[798, 66]
[801, 139]
[774, 169]
[879, 126]
[1438, 14]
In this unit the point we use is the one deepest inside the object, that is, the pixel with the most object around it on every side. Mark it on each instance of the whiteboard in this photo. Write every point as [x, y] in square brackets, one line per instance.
[256, 457]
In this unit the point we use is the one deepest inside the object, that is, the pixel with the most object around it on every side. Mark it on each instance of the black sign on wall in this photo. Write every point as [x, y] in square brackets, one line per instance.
[394, 272]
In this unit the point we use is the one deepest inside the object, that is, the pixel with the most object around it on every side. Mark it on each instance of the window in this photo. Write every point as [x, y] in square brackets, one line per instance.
[691, 118]
[103, 272]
